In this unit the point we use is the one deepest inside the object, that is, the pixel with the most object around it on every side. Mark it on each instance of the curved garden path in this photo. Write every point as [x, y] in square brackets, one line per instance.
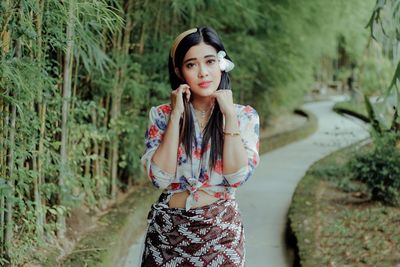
[264, 200]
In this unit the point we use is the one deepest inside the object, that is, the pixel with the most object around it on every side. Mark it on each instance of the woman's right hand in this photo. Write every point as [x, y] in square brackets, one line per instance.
[177, 99]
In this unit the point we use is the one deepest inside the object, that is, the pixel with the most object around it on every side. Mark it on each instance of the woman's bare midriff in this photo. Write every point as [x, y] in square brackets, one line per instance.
[178, 200]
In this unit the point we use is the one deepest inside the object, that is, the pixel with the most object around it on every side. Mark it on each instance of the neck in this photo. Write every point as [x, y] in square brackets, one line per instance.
[203, 104]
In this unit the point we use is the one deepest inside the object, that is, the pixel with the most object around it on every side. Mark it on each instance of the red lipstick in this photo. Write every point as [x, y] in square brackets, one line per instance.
[205, 84]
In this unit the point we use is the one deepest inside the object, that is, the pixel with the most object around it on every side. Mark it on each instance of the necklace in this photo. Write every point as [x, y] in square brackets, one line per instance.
[203, 114]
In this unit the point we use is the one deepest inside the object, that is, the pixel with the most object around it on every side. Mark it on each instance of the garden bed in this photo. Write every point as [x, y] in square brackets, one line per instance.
[337, 225]
[287, 129]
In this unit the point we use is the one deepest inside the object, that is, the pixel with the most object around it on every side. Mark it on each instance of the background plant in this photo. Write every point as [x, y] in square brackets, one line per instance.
[384, 28]
[379, 169]
[77, 79]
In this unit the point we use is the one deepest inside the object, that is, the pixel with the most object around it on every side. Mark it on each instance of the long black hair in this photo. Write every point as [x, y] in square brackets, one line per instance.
[214, 128]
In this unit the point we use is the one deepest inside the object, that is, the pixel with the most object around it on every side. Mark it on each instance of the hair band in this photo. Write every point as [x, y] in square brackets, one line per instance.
[178, 40]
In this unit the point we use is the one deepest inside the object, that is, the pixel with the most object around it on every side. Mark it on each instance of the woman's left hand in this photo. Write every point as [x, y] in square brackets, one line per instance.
[225, 101]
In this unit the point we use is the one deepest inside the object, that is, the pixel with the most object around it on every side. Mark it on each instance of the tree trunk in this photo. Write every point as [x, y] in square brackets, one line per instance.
[68, 62]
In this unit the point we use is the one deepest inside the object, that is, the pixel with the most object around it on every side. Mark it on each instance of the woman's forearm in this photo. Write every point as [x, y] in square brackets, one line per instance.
[166, 153]
[235, 156]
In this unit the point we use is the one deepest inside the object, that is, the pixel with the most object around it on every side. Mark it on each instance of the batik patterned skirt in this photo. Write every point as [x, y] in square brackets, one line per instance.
[206, 236]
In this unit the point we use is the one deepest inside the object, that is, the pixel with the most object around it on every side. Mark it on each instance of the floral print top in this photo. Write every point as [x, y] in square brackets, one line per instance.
[194, 176]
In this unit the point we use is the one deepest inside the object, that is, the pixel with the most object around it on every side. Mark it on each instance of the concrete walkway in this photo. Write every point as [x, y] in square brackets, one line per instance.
[264, 200]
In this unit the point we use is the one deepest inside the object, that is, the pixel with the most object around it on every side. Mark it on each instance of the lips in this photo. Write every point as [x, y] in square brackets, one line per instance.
[205, 84]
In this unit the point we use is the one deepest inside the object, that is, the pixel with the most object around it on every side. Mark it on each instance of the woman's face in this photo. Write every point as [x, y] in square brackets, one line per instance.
[201, 70]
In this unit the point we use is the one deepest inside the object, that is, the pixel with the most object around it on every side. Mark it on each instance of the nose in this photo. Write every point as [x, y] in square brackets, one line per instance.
[203, 71]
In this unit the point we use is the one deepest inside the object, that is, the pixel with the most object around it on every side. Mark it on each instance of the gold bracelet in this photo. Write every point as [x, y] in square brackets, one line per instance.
[231, 134]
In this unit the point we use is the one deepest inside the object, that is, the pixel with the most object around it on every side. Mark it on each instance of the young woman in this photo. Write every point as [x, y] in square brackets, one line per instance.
[199, 148]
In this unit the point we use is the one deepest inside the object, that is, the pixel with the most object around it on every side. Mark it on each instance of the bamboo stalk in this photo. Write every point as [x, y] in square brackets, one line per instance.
[114, 143]
[39, 210]
[5, 37]
[142, 38]
[35, 152]
[103, 148]
[72, 143]
[40, 213]
[9, 234]
[115, 98]
[72, 109]
[87, 163]
[119, 84]
[96, 169]
[68, 62]
[4, 150]
[88, 189]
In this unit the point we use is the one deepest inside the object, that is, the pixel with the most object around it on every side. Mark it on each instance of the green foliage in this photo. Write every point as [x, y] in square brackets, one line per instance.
[335, 227]
[121, 49]
[379, 169]
[371, 114]
[384, 28]
[375, 71]
[357, 107]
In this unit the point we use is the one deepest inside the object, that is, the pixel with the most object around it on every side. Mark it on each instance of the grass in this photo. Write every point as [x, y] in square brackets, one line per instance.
[270, 143]
[115, 231]
[356, 106]
[353, 108]
[335, 222]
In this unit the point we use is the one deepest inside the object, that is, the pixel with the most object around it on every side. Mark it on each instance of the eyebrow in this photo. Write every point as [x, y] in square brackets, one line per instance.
[190, 59]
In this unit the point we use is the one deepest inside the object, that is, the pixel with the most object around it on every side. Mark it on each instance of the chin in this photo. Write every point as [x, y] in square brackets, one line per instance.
[204, 92]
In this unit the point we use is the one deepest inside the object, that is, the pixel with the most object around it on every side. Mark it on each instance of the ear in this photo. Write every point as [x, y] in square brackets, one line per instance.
[177, 72]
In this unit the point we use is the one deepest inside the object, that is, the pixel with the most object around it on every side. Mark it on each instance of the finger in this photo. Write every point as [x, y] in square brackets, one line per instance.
[184, 86]
[176, 91]
[186, 89]
[179, 90]
[225, 92]
[215, 94]
[187, 94]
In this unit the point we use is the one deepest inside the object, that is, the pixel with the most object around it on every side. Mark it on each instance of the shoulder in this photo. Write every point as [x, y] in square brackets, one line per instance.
[162, 110]
[246, 111]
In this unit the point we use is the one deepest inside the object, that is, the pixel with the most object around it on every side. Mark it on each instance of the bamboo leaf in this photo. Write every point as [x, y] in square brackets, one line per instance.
[396, 76]
[371, 114]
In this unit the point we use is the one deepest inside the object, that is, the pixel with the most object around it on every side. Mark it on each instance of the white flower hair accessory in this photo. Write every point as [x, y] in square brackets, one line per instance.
[224, 64]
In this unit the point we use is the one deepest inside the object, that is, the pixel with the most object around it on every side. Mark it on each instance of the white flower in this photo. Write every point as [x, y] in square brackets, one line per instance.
[224, 64]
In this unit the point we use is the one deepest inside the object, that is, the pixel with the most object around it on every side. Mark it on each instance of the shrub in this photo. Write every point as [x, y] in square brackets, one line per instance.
[379, 169]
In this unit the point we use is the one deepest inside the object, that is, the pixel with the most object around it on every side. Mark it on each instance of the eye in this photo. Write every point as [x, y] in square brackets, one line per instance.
[190, 65]
[211, 61]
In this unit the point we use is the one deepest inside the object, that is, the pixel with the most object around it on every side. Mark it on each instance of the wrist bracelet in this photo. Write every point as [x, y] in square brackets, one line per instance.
[231, 134]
